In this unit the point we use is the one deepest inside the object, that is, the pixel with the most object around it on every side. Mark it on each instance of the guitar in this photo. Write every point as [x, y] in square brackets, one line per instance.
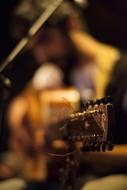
[91, 128]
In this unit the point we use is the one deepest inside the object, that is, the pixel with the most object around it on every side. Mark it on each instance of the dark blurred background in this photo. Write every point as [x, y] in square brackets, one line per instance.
[106, 20]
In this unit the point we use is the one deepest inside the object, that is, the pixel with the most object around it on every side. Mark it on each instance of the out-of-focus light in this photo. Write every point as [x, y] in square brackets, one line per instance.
[47, 76]
[82, 3]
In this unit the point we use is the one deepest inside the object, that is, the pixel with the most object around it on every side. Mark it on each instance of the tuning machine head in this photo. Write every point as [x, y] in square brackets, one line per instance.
[90, 103]
[97, 147]
[85, 148]
[87, 104]
[104, 100]
[98, 101]
[110, 147]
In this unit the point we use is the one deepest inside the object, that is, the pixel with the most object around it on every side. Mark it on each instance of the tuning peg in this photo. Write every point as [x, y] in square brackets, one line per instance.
[110, 147]
[85, 148]
[98, 147]
[98, 102]
[92, 148]
[103, 147]
[90, 103]
[106, 100]
[109, 99]
[103, 100]
[83, 105]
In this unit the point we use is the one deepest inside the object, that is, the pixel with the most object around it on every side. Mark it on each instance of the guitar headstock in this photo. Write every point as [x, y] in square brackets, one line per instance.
[93, 127]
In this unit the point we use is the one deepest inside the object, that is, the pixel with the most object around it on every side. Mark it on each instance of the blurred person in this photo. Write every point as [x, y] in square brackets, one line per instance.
[109, 74]
[118, 93]
[28, 126]
[110, 71]
[51, 44]
[26, 145]
[30, 113]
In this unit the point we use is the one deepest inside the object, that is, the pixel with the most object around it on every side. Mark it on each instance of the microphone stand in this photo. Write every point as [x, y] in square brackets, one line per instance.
[68, 175]
[5, 82]
[5, 85]
[31, 33]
